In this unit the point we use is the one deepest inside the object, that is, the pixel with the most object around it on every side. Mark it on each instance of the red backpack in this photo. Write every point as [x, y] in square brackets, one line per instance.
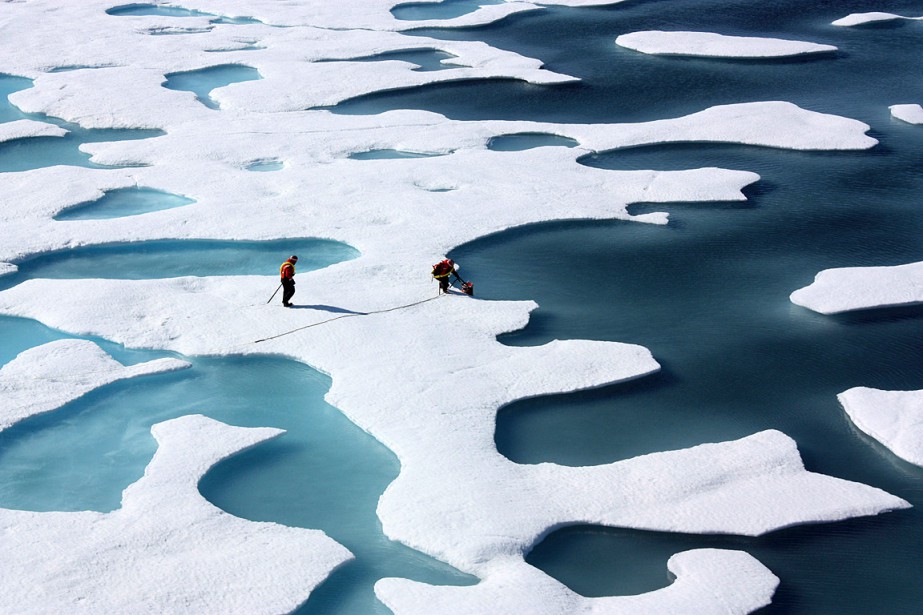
[443, 268]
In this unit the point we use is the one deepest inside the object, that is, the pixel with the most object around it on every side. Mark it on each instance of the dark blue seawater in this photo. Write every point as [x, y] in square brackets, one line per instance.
[620, 85]
[708, 293]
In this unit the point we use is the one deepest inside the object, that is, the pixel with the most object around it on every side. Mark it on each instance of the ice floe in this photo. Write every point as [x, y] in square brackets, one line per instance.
[205, 160]
[45, 378]
[712, 45]
[861, 288]
[859, 19]
[21, 129]
[912, 114]
[445, 443]
[288, 58]
[166, 550]
[894, 418]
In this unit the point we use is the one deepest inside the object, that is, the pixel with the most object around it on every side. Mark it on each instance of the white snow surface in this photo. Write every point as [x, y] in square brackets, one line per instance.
[894, 418]
[712, 45]
[456, 498]
[859, 19]
[385, 206]
[45, 378]
[8, 269]
[860, 288]
[912, 114]
[166, 550]
[21, 129]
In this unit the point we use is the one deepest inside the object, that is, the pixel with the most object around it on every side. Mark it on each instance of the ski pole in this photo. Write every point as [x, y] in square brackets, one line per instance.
[274, 294]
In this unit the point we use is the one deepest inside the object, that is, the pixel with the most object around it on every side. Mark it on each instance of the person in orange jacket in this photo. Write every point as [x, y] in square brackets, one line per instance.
[442, 271]
[287, 273]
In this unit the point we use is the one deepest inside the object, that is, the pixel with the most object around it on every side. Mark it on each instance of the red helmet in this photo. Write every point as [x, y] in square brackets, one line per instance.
[293, 258]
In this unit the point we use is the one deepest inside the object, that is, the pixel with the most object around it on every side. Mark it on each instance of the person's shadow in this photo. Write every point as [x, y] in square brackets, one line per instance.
[328, 308]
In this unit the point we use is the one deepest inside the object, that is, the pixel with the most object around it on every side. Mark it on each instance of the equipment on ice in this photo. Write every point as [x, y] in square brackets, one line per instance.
[274, 294]
[442, 272]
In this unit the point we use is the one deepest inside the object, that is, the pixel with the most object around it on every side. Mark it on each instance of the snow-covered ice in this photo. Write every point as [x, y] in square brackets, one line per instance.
[166, 550]
[910, 113]
[445, 443]
[21, 129]
[456, 498]
[45, 378]
[894, 418]
[205, 160]
[860, 288]
[712, 45]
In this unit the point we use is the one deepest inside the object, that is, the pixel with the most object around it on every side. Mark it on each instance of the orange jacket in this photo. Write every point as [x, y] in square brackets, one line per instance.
[443, 269]
[287, 270]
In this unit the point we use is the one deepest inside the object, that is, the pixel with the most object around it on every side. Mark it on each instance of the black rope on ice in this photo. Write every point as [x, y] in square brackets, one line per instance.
[323, 322]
